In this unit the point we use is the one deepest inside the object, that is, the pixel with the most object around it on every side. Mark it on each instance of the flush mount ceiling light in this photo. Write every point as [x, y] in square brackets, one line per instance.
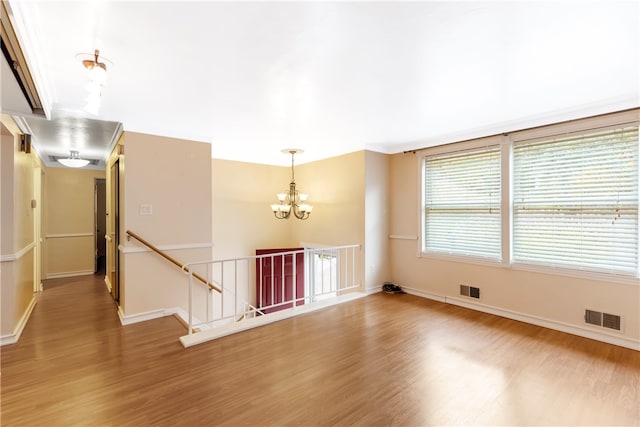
[292, 200]
[74, 160]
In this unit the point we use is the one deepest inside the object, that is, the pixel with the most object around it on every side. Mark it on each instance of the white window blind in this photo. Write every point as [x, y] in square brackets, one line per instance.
[575, 201]
[462, 203]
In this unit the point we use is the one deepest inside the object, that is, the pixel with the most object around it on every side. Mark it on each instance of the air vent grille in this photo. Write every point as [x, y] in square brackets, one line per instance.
[469, 291]
[464, 290]
[606, 320]
[611, 321]
[593, 317]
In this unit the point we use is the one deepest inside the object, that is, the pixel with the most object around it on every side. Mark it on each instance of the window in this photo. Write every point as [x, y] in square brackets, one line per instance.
[462, 203]
[575, 201]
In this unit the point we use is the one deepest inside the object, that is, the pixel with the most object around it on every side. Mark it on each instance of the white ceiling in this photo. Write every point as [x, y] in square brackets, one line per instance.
[331, 78]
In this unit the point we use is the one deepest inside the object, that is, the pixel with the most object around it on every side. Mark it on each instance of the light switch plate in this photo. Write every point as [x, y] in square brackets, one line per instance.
[145, 209]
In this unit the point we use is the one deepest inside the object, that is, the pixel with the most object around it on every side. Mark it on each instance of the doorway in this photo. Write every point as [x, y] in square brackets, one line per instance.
[276, 277]
[323, 271]
[113, 215]
[100, 224]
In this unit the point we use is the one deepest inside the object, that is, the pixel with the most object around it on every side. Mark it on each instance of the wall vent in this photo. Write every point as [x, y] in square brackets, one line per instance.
[469, 291]
[474, 292]
[606, 320]
[593, 317]
[611, 321]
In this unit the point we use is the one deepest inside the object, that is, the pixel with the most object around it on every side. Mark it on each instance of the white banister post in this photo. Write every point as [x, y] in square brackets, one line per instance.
[235, 288]
[190, 302]
[295, 278]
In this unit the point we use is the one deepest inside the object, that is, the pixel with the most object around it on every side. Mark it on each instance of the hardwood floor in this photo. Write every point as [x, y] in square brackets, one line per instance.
[381, 360]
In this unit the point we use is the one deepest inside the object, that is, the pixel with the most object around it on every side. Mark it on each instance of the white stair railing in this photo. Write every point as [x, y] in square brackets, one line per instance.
[258, 285]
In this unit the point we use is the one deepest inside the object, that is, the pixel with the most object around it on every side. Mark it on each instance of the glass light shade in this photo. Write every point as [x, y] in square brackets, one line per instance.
[74, 163]
[282, 196]
[98, 75]
[92, 108]
[93, 88]
[74, 160]
[303, 197]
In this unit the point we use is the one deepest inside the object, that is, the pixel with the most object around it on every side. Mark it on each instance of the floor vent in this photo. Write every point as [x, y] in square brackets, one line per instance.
[464, 290]
[606, 320]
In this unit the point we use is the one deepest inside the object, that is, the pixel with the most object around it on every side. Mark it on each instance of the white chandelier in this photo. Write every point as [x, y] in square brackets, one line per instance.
[292, 201]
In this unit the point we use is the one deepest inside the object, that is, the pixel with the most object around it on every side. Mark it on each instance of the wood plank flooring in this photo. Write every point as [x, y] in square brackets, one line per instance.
[381, 360]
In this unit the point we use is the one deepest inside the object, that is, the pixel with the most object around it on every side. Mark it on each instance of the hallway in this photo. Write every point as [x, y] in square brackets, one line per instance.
[381, 360]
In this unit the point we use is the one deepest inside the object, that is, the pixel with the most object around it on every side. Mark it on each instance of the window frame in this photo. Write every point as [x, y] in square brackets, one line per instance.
[462, 147]
[507, 141]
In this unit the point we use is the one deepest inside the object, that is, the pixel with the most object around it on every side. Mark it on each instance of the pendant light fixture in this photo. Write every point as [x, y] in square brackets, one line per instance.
[97, 79]
[292, 201]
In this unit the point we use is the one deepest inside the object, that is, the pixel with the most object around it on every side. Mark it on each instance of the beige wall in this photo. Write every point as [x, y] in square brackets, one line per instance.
[558, 301]
[376, 220]
[336, 188]
[348, 194]
[69, 221]
[18, 242]
[173, 176]
[242, 217]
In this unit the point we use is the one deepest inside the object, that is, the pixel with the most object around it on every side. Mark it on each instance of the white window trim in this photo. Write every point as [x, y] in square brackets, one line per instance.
[466, 146]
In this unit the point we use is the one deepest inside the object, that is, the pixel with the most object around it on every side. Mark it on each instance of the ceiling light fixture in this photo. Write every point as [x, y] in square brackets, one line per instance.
[97, 79]
[74, 160]
[292, 200]
[97, 69]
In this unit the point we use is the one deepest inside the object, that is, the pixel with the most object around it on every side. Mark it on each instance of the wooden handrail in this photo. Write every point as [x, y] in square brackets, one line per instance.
[173, 260]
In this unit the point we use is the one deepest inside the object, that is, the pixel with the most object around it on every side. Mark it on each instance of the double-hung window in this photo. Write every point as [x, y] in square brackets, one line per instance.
[462, 203]
[575, 201]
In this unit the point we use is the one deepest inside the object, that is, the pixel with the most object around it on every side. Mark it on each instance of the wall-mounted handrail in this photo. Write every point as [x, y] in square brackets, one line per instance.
[173, 261]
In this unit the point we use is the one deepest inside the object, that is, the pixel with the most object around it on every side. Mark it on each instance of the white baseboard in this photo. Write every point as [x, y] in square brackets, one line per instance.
[372, 291]
[423, 294]
[70, 274]
[107, 283]
[181, 315]
[222, 331]
[13, 338]
[534, 320]
[143, 317]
